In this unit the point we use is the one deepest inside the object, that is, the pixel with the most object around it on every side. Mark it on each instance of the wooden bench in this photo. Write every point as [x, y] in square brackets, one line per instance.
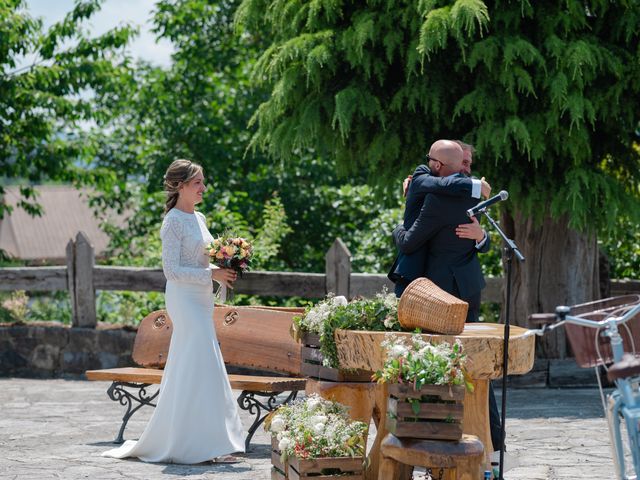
[256, 338]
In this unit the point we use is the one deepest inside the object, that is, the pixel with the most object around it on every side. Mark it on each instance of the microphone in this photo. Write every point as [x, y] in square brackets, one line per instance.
[482, 206]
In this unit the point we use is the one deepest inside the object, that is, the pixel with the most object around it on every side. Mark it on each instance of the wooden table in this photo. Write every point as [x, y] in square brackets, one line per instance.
[483, 344]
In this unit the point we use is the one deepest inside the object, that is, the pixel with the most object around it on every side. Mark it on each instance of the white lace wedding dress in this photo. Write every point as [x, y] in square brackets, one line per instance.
[196, 418]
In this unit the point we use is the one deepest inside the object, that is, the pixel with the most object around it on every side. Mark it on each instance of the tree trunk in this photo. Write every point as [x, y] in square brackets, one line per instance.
[561, 268]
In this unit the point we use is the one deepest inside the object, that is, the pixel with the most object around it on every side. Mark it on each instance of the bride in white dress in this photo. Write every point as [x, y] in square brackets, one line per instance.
[196, 418]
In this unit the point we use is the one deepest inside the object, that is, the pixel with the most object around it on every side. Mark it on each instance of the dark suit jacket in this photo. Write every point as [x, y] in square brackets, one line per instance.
[408, 267]
[452, 262]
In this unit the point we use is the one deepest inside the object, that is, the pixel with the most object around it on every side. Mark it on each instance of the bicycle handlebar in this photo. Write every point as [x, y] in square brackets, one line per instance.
[562, 315]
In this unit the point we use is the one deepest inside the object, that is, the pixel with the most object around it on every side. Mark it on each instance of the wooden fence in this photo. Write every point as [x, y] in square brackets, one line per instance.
[81, 277]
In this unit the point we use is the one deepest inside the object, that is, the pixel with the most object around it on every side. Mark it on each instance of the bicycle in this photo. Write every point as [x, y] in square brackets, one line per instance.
[623, 403]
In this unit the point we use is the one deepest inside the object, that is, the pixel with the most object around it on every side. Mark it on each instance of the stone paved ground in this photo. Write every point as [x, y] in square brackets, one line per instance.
[56, 429]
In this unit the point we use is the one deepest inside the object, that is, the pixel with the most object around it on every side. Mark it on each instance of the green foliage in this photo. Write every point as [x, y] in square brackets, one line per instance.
[376, 314]
[547, 93]
[268, 238]
[623, 250]
[372, 247]
[54, 306]
[199, 109]
[127, 308]
[18, 306]
[44, 103]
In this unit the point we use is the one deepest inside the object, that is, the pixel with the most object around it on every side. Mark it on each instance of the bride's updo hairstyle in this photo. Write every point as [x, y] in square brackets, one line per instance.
[178, 173]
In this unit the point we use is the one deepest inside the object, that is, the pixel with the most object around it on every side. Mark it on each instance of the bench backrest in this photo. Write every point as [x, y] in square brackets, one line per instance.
[151, 344]
[255, 337]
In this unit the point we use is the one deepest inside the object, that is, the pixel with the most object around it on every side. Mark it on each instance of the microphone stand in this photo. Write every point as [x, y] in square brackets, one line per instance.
[510, 248]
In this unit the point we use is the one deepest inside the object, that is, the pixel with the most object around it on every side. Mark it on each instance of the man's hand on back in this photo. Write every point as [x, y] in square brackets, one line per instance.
[471, 230]
[405, 185]
[485, 188]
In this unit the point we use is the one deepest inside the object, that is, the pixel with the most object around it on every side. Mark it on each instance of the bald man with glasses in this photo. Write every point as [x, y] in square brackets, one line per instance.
[441, 176]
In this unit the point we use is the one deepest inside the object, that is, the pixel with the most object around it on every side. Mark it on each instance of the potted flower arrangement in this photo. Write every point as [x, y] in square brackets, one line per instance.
[426, 387]
[315, 329]
[314, 436]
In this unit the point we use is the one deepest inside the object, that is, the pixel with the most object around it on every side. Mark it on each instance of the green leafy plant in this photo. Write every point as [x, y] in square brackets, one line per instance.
[315, 316]
[127, 308]
[17, 305]
[50, 306]
[376, 314]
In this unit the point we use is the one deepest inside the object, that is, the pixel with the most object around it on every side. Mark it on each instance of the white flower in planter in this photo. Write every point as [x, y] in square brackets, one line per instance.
[398, 351]
[340, 300]
[314, 428]
[284, 443]
[313, 403]
[318, 428]
[277, 424]
[317, 419]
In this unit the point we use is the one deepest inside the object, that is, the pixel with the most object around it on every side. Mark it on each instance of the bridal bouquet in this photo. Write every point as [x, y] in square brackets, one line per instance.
[231, 252]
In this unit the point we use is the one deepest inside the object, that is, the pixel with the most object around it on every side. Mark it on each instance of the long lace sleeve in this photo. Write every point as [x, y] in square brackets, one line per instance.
[171, 235]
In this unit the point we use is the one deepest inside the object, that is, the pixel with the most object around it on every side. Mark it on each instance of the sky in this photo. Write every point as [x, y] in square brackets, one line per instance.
[113, 13]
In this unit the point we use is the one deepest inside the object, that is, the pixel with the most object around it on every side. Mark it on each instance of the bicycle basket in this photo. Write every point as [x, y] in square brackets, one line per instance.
[583, 339]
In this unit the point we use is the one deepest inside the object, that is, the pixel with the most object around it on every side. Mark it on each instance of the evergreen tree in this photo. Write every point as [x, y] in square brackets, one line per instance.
[547, 91]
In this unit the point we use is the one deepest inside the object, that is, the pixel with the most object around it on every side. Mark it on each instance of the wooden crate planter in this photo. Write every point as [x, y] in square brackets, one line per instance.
[327, 468]
[439, 417]
[278, 469]
[312, 364]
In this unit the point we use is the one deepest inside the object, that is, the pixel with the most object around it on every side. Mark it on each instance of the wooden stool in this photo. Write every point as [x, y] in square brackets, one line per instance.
[464, 458]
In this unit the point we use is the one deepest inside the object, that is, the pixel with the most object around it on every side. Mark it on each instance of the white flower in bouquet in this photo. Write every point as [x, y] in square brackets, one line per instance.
[388, 299]
[416, 361]
[389, 322]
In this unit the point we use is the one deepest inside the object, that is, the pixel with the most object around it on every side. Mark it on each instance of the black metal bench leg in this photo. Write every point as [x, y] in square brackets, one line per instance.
[118, 393]
[247, 401]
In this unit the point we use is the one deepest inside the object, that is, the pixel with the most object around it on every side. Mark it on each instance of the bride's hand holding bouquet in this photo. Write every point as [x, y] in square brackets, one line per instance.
[224, 276]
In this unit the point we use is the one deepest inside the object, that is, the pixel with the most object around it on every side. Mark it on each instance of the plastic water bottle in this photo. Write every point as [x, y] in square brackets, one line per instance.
[487, 475]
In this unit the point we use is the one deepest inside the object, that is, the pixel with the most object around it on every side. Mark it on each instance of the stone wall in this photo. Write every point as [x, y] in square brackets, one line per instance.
[51, 350]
